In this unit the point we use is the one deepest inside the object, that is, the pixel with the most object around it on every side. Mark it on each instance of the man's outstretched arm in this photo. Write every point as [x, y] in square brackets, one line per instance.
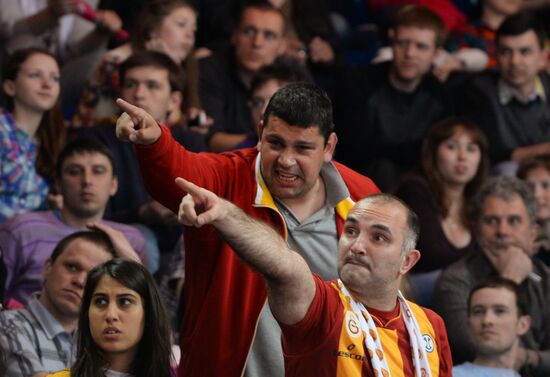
[291, 287]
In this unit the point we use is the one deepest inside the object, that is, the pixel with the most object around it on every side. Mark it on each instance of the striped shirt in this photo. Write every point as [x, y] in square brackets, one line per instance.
[29, 239]
[22, 189]
[34, 341]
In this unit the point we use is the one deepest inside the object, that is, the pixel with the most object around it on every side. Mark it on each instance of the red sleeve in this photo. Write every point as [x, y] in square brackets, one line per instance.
[318, 322]
[443, 348]
[165, 160]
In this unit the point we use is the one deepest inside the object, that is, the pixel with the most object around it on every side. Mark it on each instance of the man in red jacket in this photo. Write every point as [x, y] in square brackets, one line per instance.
[288, 181]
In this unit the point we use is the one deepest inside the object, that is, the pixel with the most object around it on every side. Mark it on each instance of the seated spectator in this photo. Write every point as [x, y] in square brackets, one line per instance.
[153, 81]
[39, 338]
[225, 77]
[121, 302]
[86, 180]
[480, 32]
[265, 83]
[454, 164]
[503, 217]
[31, 131]
[536, 171]
[512, 106]
[497, 318]
[166, 26]
[65, 29]
[384, 110]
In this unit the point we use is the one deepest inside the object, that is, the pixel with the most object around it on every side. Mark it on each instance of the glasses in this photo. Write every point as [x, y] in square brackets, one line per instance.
[257, 103]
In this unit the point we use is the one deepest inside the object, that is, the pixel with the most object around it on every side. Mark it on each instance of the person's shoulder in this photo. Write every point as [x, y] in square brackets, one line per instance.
[12, 321]
[358, 184]
[484, 81]
[61, 373]
[27, 220]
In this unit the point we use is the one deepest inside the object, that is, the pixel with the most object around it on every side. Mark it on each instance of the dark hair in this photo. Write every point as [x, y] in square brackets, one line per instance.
[421, 17]
[96, 237]
[282, 72]
[437, 134]
[153, 355]
[84, 145]
[531, 163]
[151, 18]
[51, 133]
[505, 188]
[520, 23]
[500, 282]
[413, 224]
[176, 76]
[302, 104]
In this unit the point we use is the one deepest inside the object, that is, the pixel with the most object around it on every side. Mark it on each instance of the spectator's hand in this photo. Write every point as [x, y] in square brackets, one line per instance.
[153, 212]
[202, 52]
[447, 66]
[296, 50]
[510, 260]
[136, 125]
[320, 51]
[120, 242]
[526, 357]
[201, 128]
[199, 206]
[55, 201]
[60, 8]
[109, 21]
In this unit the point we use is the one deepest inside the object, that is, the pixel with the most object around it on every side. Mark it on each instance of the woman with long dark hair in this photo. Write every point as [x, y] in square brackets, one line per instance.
[122, 329]
[454, 163]
[32, 131]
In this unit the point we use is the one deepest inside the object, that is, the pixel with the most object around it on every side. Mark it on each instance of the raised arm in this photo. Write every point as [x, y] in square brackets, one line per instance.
[136, 125]
[290, 284]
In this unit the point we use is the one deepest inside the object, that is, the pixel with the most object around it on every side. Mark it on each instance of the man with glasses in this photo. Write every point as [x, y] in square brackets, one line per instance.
[224, 83]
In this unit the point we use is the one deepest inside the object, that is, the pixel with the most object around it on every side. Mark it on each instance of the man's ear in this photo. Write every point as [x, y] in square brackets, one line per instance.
[330, 147]
[176, 99]
[524, 324]
[260, 131]
[114, 186]
[47, 268]
[282, 47]
[409, 260]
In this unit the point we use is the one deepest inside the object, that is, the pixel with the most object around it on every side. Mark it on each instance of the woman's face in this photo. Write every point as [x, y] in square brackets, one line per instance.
[117, 319]
[458, 158]
[36, 87]
[177, 31]
[539, 179]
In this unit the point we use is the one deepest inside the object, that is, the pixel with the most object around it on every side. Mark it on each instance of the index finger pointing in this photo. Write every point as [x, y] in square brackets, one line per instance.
[187, 186]
[128, 107]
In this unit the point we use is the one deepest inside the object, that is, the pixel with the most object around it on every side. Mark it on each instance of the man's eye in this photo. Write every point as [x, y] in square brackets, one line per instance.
[269, 35]
[249, 31]
[350, 231]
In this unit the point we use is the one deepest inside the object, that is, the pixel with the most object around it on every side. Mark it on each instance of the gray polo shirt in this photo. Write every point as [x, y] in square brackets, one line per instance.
[34, 341]
[316, 239]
